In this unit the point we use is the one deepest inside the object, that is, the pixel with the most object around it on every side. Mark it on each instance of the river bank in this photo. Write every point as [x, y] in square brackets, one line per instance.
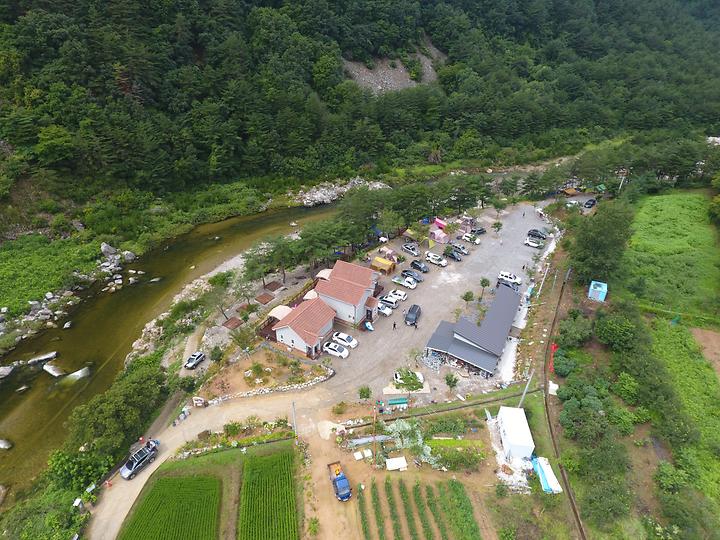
[104, 329]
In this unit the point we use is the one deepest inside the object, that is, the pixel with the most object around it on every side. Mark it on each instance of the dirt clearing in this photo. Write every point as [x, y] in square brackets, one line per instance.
[709, 341]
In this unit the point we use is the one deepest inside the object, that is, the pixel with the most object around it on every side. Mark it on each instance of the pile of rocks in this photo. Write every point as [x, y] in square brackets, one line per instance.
[329, 372]
[111, 266]
[328, 192]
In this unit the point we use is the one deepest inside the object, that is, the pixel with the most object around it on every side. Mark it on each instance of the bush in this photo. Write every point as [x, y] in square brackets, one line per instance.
[216, 354]
[501, 490]
[339, 408]
[669, 478]
[364, 392]
[616, 331]
[574, 331]
[232, 429]
[221, 279]
[605, 502]
[623, 419]
[563, 364]
[451, 380]
[626, 387]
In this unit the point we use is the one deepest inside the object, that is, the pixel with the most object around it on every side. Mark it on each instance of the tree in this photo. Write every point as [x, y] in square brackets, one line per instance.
[499, 205]
[599, 241]
[468, 297]
[364, 392]
[484, 283]
[280, 253]
[256, 263]
[616, 331]
[509, 186]
[243, 288]
[497, 226]
[390, 222]
[452, 228]
[451, 380]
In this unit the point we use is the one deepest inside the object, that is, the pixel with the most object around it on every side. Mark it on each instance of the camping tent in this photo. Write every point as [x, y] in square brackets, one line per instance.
[440, 223]
[388, 253]
[515, 433]
[439, 236]
[383, 265]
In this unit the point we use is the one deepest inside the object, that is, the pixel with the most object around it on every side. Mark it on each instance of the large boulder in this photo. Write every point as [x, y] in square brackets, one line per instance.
[5, 444]
[107, 249]
[128, 256]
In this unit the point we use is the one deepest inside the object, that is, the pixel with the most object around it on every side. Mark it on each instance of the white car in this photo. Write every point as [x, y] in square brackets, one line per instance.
[408, 282]
[397, 293]
[389, 301]
[345, 340]
[412, 249]
[398, 377]
[335, 349]
[383, 309]
[509, 278]
[435, 259]
[471, 238]
[534, 243]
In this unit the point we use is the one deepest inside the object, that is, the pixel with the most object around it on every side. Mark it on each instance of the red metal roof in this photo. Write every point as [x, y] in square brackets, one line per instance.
[308, 319]
[353, 273]
[342, 290]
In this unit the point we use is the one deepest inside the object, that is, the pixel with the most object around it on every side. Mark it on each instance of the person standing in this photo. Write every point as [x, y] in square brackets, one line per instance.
[394, 325]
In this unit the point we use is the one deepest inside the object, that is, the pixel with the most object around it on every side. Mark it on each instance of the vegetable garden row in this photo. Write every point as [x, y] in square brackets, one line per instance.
[267, 499]
[177, 507]
[449, 506]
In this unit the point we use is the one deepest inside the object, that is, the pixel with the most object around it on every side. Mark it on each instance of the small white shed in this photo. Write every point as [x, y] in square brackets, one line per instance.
[515, 433]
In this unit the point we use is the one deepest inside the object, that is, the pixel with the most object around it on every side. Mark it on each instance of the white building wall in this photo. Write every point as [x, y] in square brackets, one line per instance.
[289, 337]
[343, 312]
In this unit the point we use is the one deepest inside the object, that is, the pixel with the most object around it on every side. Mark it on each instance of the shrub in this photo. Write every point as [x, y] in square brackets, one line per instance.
[623, 419]
[339, 408]
[216, 354]
[669, 478]
[574, 331]
[563, 364]
[616, 331]
[232, 429]
[222, 279]
[501, 490]
[364, 392]
[626, 387]
[451, 380]
[605, 502]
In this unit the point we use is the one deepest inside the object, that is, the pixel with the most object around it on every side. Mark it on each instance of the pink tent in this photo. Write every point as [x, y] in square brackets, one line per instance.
[440, 223]
[439, 236]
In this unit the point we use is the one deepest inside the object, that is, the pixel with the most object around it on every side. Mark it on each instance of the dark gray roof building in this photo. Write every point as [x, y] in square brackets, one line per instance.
[480, 346]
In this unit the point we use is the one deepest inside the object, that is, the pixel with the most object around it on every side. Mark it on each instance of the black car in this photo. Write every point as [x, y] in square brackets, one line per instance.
[140, 459]
[454, 255]
[419, 265]
[417, 276]
[590, 203]
[537, 234]
[413, 314]
[478, 230]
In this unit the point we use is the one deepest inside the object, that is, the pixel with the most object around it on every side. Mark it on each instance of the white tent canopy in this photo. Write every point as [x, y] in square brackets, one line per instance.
[515, 433]
[310, 295]
[324, 274]
[280, 312]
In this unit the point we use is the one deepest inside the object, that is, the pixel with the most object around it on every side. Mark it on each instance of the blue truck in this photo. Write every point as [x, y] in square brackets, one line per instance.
[340, 483]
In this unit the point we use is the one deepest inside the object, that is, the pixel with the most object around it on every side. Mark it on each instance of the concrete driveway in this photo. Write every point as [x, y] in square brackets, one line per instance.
[381, 352]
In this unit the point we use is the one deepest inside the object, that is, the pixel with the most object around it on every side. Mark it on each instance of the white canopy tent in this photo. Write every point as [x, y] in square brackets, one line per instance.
[515, 433]
[280, 312]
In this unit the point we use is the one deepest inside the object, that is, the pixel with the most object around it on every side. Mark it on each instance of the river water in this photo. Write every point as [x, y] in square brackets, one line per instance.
[104, 328]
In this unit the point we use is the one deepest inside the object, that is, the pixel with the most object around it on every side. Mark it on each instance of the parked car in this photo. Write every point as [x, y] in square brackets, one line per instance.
[572, 204]
[590, 203]
[454, 255]
[478, 231]
[384, 309]
[514, 286]
[390, 301]
[534, 243]
[397, 377]
[412, 249]
[435, 258]
[408, 282]
[509, 278]
[397, 293]
[468, 237]
[417, 276]
[194, 360]
[457, 246]
[419, 265]
[139, 459]
[413, 314]
[535, 233]
[335, 349]
[345, 340]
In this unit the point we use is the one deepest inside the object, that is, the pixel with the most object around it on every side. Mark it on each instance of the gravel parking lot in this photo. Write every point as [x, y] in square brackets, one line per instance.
[381, 352]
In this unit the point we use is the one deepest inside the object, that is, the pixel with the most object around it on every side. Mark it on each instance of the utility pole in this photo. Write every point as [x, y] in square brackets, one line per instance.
[526, 388]
[294, 422]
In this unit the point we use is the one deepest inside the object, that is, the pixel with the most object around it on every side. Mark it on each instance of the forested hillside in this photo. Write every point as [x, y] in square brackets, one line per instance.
[164, 96]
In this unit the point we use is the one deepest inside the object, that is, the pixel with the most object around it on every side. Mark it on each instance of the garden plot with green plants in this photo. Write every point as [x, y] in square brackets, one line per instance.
[450, 442]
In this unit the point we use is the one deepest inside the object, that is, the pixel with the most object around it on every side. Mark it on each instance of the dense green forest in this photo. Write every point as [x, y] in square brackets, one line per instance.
[164, 96]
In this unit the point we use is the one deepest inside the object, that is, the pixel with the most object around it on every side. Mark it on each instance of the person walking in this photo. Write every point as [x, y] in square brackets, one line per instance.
[394, 325]
[415, 325]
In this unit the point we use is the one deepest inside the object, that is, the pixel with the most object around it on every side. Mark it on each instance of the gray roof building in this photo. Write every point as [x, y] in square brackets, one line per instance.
[480, 346]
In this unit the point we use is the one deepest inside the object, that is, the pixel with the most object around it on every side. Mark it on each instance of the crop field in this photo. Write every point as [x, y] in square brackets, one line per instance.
[699, 391]
[672, 261]
[267, 499]
[177, 508]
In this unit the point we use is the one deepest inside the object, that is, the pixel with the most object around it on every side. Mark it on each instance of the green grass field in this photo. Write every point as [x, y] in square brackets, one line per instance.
[672, 261]
[697, 386]
[267, 499]
[177, 508]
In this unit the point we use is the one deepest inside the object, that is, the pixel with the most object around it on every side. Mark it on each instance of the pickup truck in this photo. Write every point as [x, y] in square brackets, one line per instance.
[340, 483]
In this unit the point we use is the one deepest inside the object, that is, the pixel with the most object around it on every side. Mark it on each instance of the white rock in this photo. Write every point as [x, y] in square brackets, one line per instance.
[5, 444]
[67, 325]
[49, 295]
[107, 249]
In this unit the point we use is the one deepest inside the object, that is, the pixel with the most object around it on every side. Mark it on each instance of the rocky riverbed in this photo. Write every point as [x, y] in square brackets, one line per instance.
[328, 192]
